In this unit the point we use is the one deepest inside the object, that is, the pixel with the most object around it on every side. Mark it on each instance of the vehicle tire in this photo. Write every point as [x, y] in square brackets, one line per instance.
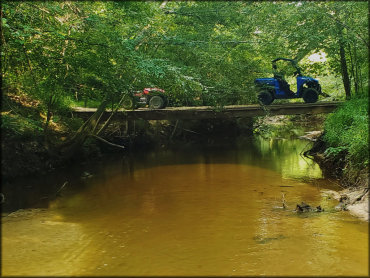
[314, 85]
[265, 98]
[310, 95]
[128, 103]
[165, 104]
[156, 102]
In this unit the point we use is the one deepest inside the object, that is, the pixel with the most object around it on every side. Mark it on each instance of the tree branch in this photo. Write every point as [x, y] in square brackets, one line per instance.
[327, 12]
[111, 115]
[106, 142]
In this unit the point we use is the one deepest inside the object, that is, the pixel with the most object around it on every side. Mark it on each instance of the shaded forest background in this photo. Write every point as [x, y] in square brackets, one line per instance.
[58, 54]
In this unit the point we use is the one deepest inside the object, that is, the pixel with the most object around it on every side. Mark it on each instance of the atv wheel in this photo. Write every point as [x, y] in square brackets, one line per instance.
[128, 103]
[165, 104]
[156, 102]
[265, 98]
[310, 95]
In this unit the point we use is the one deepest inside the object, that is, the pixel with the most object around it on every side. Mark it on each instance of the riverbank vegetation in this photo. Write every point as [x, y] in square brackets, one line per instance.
[56, 55]
[347, 131]
[343, 149]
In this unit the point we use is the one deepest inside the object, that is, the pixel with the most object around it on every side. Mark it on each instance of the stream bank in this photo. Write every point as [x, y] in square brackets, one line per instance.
[342, 152]
[354, 196]
[28, 156]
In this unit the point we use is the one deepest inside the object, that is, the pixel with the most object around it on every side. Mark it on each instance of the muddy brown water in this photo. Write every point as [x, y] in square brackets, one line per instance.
[194, 211]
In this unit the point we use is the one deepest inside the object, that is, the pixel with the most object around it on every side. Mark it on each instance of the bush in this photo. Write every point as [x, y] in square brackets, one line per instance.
[347, 129]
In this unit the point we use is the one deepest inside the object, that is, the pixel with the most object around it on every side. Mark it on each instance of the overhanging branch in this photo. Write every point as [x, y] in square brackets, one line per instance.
[106, 142]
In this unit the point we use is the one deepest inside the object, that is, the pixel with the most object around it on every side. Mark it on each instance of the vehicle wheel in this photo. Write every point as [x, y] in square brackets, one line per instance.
[310, 95]
[156, 102]
[128, 102]
[314, 85]
[265, 98]
[165, 104]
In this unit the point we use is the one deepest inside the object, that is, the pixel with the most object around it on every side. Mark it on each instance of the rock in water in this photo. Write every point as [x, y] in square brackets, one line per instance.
[303, 207]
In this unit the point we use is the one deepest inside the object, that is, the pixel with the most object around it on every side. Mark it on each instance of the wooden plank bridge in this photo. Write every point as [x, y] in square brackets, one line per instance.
[209, 112]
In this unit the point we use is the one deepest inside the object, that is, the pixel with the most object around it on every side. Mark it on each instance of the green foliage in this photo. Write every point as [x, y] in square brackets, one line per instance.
[335, 152]
[206, 52]
[348, 130]
[18, 126]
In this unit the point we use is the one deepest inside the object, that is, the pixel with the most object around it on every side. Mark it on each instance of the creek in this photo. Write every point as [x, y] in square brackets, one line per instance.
[188, 211]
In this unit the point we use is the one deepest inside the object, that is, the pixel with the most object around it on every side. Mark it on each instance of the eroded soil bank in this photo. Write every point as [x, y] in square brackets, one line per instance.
[355, 182]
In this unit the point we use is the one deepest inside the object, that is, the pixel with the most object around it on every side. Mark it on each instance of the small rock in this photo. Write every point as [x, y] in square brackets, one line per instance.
[303, 207]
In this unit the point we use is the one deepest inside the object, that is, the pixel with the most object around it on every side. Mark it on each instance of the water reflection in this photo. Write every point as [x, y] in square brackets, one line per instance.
[280, 155]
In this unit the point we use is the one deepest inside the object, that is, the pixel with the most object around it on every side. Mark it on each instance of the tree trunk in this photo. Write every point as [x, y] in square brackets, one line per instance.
[343, 63]
[354, 74]
[344, 69]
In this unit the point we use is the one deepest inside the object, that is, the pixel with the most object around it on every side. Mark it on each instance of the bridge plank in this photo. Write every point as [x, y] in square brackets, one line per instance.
[209, 112]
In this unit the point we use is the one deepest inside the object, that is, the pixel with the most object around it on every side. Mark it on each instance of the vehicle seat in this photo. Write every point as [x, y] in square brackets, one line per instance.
[284, 85]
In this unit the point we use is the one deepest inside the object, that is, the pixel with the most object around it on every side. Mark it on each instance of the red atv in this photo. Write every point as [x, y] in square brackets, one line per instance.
[153, 97]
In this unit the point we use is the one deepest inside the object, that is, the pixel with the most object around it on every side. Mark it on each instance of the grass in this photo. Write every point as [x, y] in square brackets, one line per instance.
[347, 130]
[15, 125]
[23, 118]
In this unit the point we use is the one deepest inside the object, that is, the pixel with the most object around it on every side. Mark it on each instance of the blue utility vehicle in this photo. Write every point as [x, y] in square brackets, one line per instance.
[277, 87]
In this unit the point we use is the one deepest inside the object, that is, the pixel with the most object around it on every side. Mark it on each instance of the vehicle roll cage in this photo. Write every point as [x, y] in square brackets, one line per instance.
[293, 62]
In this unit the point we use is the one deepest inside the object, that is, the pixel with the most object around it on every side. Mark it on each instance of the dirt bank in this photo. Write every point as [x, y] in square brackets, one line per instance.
[22, 158]
[355, 200]
[355, 182]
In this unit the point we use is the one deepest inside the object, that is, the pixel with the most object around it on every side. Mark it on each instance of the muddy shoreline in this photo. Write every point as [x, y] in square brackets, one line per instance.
[354, 197]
